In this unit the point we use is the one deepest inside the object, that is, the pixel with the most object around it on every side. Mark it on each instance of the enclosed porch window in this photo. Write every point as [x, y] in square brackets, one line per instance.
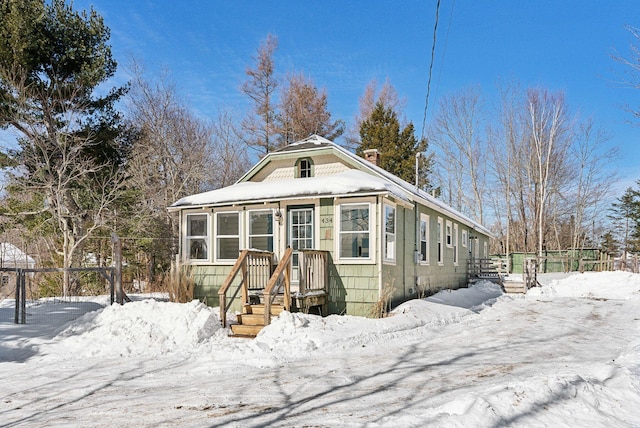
[227, 235]
[261, 230]
[197, 239]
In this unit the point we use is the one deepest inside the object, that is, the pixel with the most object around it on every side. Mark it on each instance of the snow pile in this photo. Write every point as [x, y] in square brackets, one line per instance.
[137, 328]
[565, 354]
[295, 334]
[596, 285]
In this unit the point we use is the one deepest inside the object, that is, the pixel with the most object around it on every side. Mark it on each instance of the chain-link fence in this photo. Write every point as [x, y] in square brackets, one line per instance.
[41, 296]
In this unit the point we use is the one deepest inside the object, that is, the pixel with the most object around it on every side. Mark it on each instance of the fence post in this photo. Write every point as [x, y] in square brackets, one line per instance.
[18, 292]
[117, 260]
[23, 302]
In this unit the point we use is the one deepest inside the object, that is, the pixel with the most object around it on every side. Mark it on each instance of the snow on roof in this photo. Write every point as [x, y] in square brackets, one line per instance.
[345, 183]
[409, 189]
[12, 256]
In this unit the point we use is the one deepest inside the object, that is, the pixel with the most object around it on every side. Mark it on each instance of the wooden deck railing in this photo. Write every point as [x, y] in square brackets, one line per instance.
[314, 271]
[255, 267]
[281, 278]
[485, 268]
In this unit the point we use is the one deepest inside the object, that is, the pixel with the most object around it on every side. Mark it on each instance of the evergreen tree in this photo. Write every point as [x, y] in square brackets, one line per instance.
[397, 145]
[609, 244]
[70, 150]
[626, 214]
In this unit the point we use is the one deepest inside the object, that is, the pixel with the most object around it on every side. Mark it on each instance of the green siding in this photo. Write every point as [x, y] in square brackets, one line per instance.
[355, 288]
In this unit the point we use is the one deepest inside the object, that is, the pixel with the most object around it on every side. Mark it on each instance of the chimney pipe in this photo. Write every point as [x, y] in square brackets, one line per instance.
[372, 155]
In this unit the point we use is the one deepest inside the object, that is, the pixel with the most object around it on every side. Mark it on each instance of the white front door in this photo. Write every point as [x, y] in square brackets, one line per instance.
[300, 235]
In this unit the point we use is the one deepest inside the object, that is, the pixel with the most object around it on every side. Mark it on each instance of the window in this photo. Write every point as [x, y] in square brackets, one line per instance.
[486, 249]
[354, 231]
[449, 239]
[197, 236]
[305, 168]
[261, 230]
[439, 238]
[227, 235]
[455, 244]
[464, 238]
[424, 238]
[389, 233]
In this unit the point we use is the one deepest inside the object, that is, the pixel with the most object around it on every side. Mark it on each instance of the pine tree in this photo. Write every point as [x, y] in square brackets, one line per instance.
[70, 146]
[609, 244]
[397, 145]
[626, 214]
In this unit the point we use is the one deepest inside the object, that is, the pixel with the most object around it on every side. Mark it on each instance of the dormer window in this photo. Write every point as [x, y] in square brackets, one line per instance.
[305, 167]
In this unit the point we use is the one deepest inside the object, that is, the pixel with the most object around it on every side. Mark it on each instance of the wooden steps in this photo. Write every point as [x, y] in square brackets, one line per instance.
[251, 321]
[514, 287]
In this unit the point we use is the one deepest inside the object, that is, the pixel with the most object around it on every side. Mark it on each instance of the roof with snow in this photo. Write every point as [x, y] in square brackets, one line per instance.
[13, 257]
[366, 179]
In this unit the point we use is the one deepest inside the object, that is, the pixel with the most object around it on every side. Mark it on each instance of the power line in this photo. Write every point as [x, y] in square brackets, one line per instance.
[433, 53]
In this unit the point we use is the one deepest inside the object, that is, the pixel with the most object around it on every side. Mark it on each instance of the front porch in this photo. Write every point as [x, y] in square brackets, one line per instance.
[264, 289]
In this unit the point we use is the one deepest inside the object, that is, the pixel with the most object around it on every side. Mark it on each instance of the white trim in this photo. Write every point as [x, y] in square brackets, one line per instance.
[186, 252]
[216, 237]
[456, 255]
[371, 259]
[465, 238]
[383, 235]
[448, 235]
[247, 236]
[424, 218]
[440, 241]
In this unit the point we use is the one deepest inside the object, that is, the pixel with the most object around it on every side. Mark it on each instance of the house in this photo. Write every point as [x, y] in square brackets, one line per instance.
[384, 239]
[12, 258]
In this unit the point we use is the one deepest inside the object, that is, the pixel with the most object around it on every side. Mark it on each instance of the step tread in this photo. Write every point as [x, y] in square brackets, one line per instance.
[250, 319]
[242, 330]
[259, 309]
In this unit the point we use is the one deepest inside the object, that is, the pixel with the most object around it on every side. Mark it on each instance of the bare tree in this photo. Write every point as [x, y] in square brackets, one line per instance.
[632, 62]
[456, 134]
[79, 189]
[592, 182]
[174, 157]
[504, 142]
[260, 87]
[549, 142]
[230, 159]
[387, 95]
[303, 112]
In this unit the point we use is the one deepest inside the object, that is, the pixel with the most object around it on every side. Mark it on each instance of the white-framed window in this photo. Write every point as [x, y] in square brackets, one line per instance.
[354, 231]
[486, 249]
[305, 168]
[423, 234]
[197, 236]
[227, 235]
[261, 230]
[455, 244]
[449, 234]
[465, 238]
[389, 233]
[440, 240]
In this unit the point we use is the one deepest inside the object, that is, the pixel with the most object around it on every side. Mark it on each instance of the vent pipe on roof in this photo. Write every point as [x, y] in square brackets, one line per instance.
[372, 155]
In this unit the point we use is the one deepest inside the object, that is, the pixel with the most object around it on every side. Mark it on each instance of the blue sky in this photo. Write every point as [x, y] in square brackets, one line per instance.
[560, 45]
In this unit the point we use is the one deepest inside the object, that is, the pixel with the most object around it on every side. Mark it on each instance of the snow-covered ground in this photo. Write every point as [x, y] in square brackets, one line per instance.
[566, 354]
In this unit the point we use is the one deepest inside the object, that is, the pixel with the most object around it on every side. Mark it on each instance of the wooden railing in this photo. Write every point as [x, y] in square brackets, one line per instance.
[281, 278]
[255, 267]
[485, 268]
[314, 271]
